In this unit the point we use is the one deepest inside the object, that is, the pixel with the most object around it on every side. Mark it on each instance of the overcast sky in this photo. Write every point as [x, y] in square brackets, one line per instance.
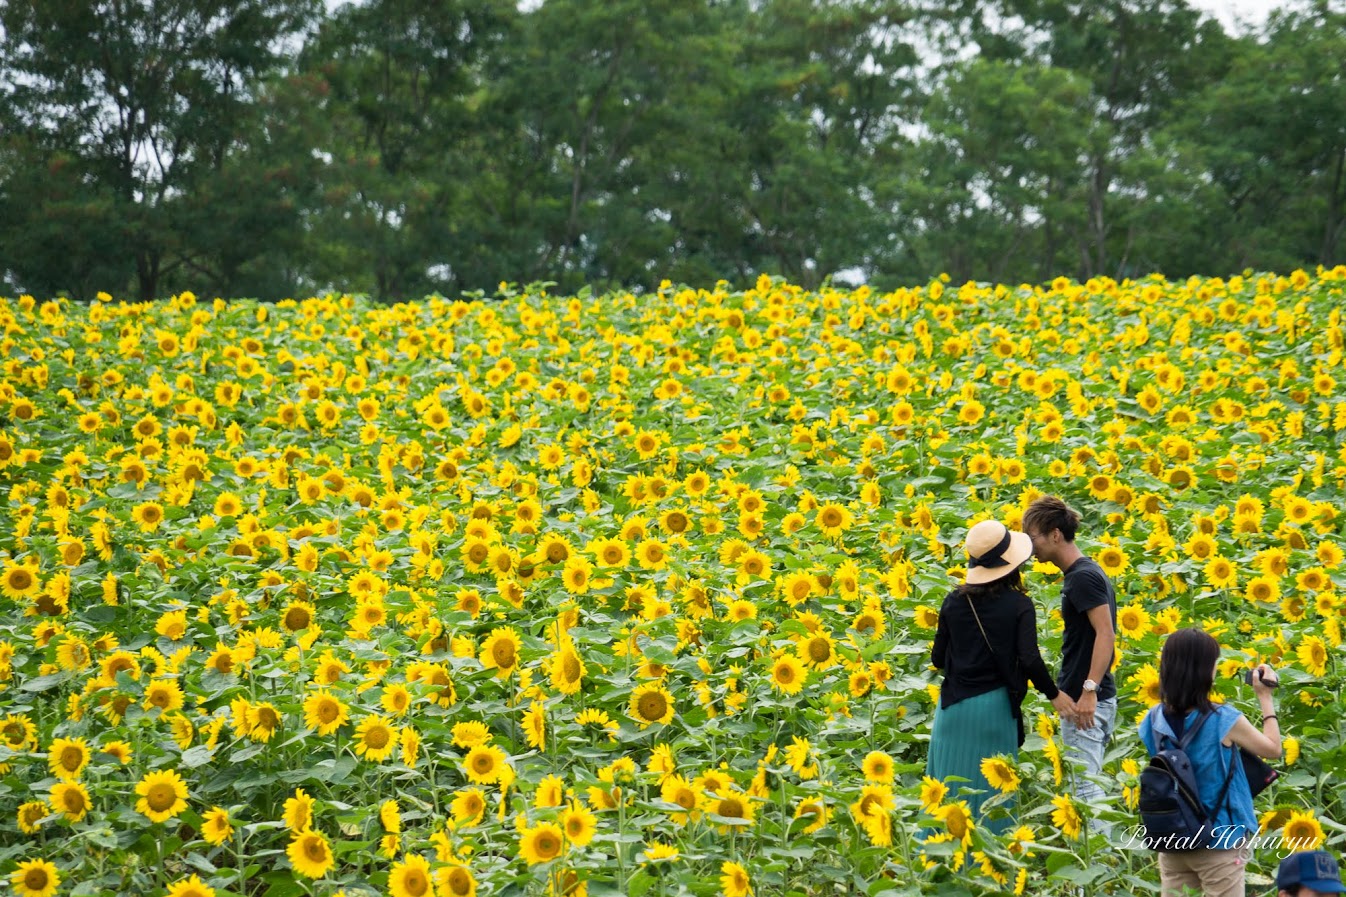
[1230, 11]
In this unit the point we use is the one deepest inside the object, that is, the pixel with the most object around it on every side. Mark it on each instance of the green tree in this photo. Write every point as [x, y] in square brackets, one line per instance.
[1272, 143]
[997, 193]
[391, 93]
[145, 105]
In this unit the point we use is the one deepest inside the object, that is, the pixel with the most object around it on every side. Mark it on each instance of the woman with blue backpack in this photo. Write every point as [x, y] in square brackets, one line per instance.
[1203, 838]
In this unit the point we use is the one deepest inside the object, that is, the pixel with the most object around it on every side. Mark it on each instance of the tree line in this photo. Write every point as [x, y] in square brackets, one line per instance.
[397, 147]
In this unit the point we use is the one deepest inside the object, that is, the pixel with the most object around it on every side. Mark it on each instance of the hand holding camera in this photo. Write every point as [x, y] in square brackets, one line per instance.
[1263, 676]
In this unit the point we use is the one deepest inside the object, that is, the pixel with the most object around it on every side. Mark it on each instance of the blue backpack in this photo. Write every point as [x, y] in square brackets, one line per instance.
[1171, 810]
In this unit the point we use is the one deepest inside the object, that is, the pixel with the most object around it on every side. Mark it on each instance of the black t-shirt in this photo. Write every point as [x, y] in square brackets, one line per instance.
[1085, 587]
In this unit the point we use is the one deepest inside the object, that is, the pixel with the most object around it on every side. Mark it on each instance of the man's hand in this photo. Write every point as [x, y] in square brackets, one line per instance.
[1084, 710]
[1064, 706]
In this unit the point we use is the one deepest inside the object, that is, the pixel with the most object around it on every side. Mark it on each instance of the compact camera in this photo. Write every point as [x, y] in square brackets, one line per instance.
[1269, 683]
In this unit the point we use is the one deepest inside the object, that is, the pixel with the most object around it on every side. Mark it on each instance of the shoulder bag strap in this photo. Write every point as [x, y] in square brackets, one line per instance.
[1009, 681]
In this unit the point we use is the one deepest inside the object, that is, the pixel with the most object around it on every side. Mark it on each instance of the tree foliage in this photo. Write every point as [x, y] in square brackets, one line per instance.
[269, 147]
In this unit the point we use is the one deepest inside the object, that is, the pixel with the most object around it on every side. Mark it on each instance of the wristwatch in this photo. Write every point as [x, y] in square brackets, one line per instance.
[1090, 685]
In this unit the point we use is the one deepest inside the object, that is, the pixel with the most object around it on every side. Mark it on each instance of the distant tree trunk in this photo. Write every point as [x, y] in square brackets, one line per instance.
[1332, 227]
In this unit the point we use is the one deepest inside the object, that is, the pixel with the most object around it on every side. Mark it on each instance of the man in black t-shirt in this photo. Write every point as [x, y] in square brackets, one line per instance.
[1089, 612]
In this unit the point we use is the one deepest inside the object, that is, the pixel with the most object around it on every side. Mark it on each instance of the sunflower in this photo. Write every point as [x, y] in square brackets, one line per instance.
[1112, 559]
[1200, 546]
[375, 739]
[298, 811]
[576, 575]
[192, 886]
[263, 722]
[297, 616]
[1312, 654]
[396, 699]
[1221, 573]
[933, 792]
[468, 807]
[148, 515]
[753, 565]
[30, 816]
[1066, 817]
[541, 844]
[788, 674]
[734, 880]
[550, 792]
[877, 767]
[1000, 774]
[795, 587]
[578, 823]
[817, 650]
[833, 520]
[410, 878]
[19, 581]
[1133, 621]
[35, 878]
[535, 725]
[870, 622]
[815, 811]
[500, 651]
[67, 758]
[696, 483]
[163, 795]
[1146, 682]
[650, 703]
[658, 852]
[216, 826]
[1313, 579]
[652, 554]
[469, 733]
[610, 552]
[484, 764]
[677, 790]
[456, 881]
[73, 654]
[1302, 831]
[567, 670]
[164, 694]
[310, 854]
[325, 713]
[71, 800]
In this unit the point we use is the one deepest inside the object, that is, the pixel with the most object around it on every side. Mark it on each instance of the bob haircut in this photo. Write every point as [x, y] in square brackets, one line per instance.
[1187, 670]
[1012, 582]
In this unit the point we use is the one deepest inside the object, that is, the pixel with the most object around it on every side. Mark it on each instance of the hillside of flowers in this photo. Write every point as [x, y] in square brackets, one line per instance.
[630, 594]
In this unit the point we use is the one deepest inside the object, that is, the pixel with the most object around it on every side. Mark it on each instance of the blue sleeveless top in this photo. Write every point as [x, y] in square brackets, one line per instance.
[1236, 821]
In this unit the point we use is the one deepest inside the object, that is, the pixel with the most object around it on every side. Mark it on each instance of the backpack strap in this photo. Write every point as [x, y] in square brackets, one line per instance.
[1187, 735]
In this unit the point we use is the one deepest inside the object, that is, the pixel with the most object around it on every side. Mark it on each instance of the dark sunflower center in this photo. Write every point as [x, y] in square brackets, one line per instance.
[160, 797]
[652, 706]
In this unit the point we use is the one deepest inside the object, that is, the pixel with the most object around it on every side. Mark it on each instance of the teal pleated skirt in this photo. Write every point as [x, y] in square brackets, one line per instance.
[966, 734]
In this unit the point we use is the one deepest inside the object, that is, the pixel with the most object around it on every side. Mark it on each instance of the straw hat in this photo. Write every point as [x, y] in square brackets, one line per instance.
[994, 550]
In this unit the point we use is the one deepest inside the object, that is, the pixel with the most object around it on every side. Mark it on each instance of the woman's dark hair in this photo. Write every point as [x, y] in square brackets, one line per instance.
[1187, 670]
[1012, 581]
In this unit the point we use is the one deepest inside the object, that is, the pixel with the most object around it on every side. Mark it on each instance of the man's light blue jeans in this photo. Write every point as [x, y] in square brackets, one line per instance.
[1085, 747]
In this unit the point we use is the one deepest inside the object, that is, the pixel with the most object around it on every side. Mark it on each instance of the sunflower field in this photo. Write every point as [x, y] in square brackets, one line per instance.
[631, 594]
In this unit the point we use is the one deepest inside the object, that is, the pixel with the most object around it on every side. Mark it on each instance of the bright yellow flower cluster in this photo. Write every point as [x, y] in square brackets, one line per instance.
[597, 588]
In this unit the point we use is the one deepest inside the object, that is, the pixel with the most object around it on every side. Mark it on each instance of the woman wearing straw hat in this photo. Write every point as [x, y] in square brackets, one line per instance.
[987, 645]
